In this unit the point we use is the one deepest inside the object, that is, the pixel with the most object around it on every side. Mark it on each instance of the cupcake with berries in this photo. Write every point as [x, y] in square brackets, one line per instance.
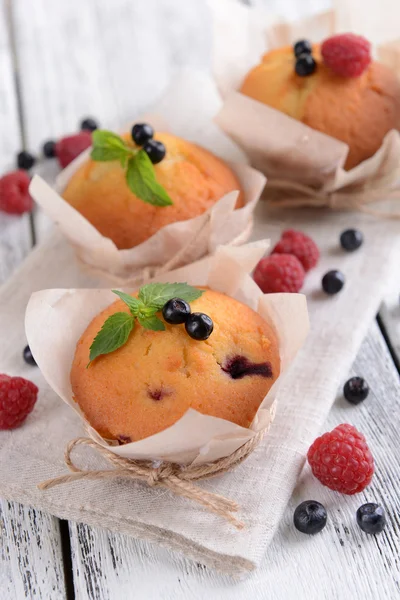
[334, 87]
[144, 198]
[133, 186]
[182, 369]
[321, 121]
[187, 348]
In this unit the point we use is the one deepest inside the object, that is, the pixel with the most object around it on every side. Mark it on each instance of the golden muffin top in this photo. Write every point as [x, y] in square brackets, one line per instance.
[156, 376]
[193, 177]
[356, 110]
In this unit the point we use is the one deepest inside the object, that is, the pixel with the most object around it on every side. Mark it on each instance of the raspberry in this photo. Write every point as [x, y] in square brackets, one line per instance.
[14, 195]
[68, 148]
[341, 460]
[279, 273]
[347, 54]
[17, 399]
[300, 245]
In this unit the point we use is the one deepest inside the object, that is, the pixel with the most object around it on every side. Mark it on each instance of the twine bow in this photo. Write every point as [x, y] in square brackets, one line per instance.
[342, 199]
[178, 479]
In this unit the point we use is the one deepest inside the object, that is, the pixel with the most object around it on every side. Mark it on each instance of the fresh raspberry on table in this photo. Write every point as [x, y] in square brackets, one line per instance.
[17, 399]
[346, 54]
[279, 273]
[300, 245]
[68, 148]
[341, 460]
[14, 193]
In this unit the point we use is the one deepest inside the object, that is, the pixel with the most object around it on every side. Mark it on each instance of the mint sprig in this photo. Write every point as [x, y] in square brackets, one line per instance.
[112, 335]
[140, 175]
[142, 181]
[157, 294]
[151, 298]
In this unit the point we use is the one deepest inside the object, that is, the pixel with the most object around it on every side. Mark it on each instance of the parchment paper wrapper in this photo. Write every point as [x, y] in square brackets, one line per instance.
[286, 150]
[179, 243]
[55, 319]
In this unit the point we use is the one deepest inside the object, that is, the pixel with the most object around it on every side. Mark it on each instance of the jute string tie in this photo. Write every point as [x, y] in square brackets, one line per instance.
[178, 479]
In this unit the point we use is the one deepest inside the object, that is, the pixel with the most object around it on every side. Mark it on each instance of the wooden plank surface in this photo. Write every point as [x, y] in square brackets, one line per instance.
[390, 320]
[15, 238]
[341, 562]
[31, 564]
[31, 553]
[111, 60]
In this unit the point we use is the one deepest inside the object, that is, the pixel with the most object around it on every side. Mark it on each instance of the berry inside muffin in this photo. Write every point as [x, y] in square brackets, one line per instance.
[222, 366]
[134, 185]
[335, 88]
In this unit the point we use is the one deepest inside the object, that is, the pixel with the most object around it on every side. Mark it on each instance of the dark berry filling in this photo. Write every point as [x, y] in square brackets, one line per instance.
[158, 394]
[239, 367]
[124, 439]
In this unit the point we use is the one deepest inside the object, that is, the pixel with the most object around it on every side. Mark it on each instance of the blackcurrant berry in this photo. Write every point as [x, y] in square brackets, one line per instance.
[371, 518]
[155, 151]
[199, 326]
[355, 390]
[28, 357]
[305, 65]
[332, 282]
[176, 311]
[25, 160]
[310, 517]
[302, 47]
[89, 124]
[351, 239]
[49, 149]
[142, 133]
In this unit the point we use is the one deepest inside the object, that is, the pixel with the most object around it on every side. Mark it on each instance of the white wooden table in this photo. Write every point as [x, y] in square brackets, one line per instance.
[61, 61]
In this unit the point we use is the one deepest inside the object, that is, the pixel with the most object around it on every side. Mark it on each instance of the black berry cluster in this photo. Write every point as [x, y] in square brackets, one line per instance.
[26, 160]
[305, 63]
[310, 517]
[333, 281]
[198, 325]
[142, 135]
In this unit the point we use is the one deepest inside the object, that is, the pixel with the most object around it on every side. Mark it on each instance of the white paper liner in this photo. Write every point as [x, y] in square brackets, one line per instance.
[181, 242]
[55, 320]
[285, 149]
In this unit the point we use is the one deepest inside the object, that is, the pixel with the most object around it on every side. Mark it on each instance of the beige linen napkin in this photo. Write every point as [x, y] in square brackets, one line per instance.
[263, 484]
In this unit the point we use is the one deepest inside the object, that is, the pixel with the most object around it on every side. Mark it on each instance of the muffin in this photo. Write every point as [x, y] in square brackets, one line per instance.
[194, 178]
[156, 376]
[356, 110]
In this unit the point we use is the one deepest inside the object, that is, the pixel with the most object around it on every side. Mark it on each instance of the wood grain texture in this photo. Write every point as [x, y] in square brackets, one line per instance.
[31, 564]
[15, 238]
[87, 58]
[31, 548]
[91, 61]
[341, 562]
[390, 318]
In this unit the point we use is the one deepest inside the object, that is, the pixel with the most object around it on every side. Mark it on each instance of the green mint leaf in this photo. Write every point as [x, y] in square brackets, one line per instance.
[157, 294]
[142, 181]
[102, 137]
[133, 304]
[112, 335]
[151, 322]
[108, 146]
